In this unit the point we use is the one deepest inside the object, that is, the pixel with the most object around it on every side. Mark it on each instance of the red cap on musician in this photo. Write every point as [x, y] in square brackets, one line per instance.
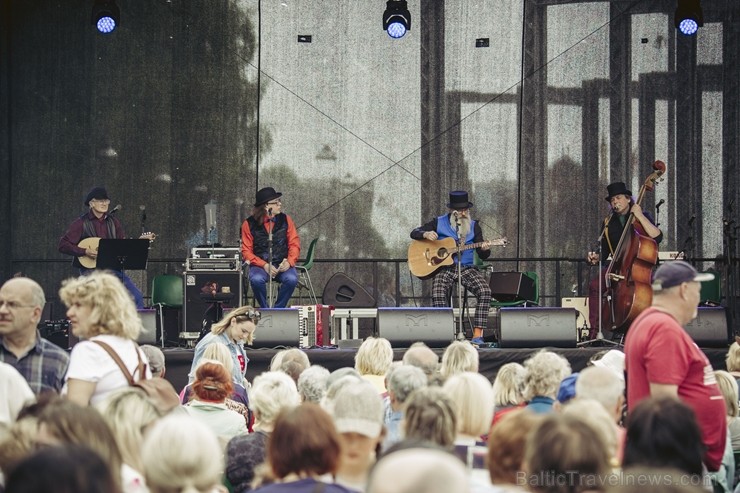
[676, 272]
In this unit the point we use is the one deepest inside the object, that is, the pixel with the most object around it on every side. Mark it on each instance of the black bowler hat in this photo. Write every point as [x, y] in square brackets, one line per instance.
[265, 195]
[98, 193]
[617, 188]
[459, 200]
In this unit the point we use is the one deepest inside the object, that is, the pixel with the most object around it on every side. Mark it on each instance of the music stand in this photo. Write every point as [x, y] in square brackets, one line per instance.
[120, 255]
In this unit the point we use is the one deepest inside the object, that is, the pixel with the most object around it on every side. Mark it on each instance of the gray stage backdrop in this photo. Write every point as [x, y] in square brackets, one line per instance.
[198, 101]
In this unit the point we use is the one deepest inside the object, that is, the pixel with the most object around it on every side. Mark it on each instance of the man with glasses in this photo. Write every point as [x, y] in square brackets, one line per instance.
[101, 223]
[42, 363]
[457, 223]
[270, 244]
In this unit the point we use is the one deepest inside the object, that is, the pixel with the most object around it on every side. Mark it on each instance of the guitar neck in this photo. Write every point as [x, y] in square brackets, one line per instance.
[471, 246]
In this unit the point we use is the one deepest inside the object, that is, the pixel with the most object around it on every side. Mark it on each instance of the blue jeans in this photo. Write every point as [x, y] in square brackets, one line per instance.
[130, 286]
[259, 279]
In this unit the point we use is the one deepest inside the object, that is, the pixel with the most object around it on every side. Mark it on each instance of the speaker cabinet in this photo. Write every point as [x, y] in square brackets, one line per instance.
[148, 334]
[405, 326]
[194, 309]
[341, 291]
[537, 327]
[511, 286]
[710, 328]
[278, 327]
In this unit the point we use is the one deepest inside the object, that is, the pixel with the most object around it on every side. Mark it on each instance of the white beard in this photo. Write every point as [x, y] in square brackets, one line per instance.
[464, 224]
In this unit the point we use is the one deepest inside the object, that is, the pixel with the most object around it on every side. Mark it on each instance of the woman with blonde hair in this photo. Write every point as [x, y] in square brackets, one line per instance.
[459, 356]
[102, 313]
[128, 413]
[732, 360]
[181, 455]
[508, 390]
[234, 330]
[373, 360]
[472, 396]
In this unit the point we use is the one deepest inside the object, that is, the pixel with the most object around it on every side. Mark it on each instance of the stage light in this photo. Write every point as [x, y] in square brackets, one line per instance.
[105, 15]
[688, 17]
[396, 18]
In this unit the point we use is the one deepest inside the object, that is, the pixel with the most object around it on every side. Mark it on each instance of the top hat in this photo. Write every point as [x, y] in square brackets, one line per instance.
[264, 195]
[459, 200]
[617, 188]
[96, 193]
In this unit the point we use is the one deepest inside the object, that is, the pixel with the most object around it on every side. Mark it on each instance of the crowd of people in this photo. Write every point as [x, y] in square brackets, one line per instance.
[90, 422]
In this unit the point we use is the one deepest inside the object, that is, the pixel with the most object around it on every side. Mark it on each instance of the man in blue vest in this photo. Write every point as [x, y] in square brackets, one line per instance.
[267, 217]
[98, 222]
[456, 224]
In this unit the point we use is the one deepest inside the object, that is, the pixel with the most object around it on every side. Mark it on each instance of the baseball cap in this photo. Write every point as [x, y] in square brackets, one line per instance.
[675, 272]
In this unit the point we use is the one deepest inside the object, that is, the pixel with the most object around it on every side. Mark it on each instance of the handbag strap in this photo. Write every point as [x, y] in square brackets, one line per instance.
[141, 367]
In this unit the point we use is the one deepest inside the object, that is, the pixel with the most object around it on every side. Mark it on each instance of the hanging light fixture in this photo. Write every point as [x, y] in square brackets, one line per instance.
[105, 16]
[396, 18]
[688, 17]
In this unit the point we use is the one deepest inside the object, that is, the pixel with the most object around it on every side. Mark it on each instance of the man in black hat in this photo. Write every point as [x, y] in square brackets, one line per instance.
[622, 204]
[101, 223]
[267, 217]
[457, 223]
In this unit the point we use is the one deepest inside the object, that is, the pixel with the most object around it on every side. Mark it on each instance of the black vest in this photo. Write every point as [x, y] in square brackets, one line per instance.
[279, 238]
[88, 231]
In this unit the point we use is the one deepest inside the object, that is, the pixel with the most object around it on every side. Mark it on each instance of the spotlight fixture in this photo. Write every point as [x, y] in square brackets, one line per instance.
[688, 17]
[105, 15]
[396, 18]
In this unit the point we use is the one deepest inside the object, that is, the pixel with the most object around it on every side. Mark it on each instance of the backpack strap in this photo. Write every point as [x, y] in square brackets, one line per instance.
[141, 367]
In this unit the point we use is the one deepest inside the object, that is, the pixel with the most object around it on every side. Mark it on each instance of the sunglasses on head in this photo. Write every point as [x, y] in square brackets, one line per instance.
[253, 315]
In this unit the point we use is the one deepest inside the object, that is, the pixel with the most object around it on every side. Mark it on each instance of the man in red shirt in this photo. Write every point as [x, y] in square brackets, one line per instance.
[662, 359]
[268, 218]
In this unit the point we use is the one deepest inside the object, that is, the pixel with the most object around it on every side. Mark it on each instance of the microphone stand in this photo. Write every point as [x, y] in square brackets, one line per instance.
[269, 259]
[599, 339]
[460, 336]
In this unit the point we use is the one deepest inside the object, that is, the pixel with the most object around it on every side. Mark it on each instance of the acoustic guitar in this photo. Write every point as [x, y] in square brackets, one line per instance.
[93, 242]
[426, 256]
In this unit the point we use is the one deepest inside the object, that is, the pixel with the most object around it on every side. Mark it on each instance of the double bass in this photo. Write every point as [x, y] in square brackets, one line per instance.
[628, 276]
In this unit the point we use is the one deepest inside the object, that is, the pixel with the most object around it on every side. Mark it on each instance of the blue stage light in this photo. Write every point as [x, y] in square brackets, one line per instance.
[688, 17]
[105, 15]
[396, 18]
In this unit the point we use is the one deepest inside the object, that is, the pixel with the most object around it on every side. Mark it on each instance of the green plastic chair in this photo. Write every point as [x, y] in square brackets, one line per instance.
[167, 292]
[304, 278]
[711, 291]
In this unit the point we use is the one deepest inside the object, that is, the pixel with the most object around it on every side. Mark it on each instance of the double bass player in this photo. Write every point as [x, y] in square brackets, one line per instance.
[622, 204]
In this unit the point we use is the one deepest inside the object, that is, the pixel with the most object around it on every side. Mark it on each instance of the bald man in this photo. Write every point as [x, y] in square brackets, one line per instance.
[42, 363]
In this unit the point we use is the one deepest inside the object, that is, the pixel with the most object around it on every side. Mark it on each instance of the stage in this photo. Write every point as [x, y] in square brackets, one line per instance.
[178, 361]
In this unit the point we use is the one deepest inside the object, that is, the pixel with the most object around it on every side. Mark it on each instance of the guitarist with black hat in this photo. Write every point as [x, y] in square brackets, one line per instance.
[456, 224]
[98, 222]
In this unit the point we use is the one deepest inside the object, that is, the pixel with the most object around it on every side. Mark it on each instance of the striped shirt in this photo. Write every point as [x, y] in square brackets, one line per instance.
[43, 366]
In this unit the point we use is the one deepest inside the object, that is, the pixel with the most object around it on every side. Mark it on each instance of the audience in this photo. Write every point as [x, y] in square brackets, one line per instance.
[459, 356]
[102, 314]
[66, 468]
[373, 360]
[402, 381]
[155, 356]
[292, 361]
[212, 385]
[181, 455]
[508, 390]
[42, 363]
[430, 416]
[545, 371]
[358, 416]
[422, 357]
[14, 394]
[506, 446]
[607, 388]
[313, 383]
[732, 360]
[303, 448]
[271, 393]
[418, 470]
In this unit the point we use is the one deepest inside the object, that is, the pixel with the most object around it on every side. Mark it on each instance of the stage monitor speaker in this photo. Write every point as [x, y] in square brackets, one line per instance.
[538, 327]
[710, 328]
[278, 327]
[341, 291]
[511, 286]
[194, 309]
[405, 326]
[148, 334]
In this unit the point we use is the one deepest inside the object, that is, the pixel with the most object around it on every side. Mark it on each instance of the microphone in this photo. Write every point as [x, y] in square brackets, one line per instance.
[661, 202]
[115, 209]
[454, 213]
[269, 211]
[142, 208]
